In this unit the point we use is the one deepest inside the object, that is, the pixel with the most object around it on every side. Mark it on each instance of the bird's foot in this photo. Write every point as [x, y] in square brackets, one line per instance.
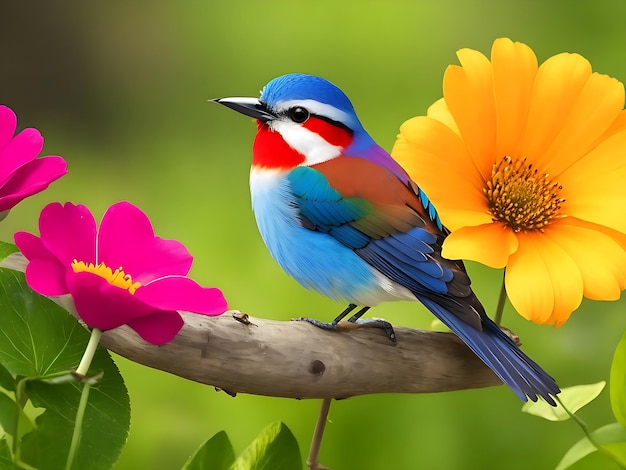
[377, 323]
[320, 324]
[354, 323]
[511, 335]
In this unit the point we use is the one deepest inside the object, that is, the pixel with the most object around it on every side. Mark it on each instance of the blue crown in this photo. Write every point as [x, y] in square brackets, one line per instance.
[299, 86]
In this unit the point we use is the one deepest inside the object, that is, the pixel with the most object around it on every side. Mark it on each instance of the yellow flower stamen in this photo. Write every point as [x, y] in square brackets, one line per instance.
[521, 197]
[116, 278]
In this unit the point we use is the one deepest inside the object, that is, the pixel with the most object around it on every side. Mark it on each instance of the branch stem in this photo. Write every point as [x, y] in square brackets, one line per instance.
[316, 443]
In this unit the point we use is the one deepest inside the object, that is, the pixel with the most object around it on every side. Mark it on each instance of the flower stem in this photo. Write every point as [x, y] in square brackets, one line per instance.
[501, 302]
[78, 424]
[81, 372]
[90, 350]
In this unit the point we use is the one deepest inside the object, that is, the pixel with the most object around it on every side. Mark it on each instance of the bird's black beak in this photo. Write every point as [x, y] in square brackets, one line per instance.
[249, 106]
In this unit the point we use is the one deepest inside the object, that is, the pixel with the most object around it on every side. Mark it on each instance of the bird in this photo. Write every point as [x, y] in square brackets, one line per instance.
[343, 218]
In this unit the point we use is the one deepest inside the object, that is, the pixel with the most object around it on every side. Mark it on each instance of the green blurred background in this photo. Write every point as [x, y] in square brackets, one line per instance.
[120, 90]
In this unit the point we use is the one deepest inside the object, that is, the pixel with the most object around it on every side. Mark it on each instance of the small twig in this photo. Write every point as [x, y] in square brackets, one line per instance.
[316, 443]
[583, 426]
[501, 301]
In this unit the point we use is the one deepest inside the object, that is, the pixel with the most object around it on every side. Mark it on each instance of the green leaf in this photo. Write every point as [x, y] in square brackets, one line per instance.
[611, 439]
[105, 426]
[9, 412]
[215, 454]
[573, 398]
[579, 450]
[39, 340]
[618, 382]
[37, 337]
[438, 325]
[6, 249]
[6, 379]
[6, 458]
[275, 447]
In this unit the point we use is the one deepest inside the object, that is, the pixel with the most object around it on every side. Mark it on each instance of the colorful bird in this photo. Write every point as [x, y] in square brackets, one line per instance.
[341, 216]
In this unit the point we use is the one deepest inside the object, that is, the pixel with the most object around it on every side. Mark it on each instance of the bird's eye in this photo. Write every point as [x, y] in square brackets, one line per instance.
[299, 114]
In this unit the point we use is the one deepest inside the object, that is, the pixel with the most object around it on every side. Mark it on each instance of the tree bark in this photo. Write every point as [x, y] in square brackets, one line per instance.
[299, 360]
[241, 354]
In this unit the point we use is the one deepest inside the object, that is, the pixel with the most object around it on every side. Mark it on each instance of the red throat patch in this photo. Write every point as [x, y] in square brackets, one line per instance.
[271, 151]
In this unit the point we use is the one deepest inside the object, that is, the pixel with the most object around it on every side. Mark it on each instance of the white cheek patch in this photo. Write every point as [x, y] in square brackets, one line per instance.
[311, 145]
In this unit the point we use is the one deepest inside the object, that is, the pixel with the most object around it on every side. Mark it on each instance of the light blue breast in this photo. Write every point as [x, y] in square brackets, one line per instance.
[316, 260]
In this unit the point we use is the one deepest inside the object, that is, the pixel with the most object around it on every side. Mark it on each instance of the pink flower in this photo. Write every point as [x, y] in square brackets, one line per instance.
[119, 274]
[22, 174]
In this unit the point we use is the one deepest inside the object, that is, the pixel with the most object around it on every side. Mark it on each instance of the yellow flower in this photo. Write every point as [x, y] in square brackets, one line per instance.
[526, 165]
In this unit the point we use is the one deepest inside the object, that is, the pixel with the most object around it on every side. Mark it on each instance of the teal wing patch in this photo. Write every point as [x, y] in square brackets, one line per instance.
[322, 208]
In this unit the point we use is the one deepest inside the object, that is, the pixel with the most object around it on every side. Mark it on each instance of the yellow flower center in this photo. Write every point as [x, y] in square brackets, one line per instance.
[521, 197]
[117, 278]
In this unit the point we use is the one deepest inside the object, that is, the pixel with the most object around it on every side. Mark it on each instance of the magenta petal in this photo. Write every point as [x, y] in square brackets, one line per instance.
[158, 328]
[32, 178]
[23, 148]
[8, 124]
[182, 293]
[102, 305]
[46, 276]
[69, 232]
[126, 238]
[31, 246]
[44, 273]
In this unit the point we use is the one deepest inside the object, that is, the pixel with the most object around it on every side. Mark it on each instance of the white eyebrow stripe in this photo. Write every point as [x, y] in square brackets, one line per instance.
[315, 107]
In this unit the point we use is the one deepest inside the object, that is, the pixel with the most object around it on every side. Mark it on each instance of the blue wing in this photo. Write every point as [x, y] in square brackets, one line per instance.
[396, 242]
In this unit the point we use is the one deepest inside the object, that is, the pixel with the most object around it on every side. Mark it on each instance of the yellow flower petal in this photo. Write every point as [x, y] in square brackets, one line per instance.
[468, 91]
[425, 144]
[514, 70]
[558, 84]
[440, 112]
[542, 281]
[597, 252]
[595, 109]
[618, 125]
[490, 244]
[595, 186]
[454, 218]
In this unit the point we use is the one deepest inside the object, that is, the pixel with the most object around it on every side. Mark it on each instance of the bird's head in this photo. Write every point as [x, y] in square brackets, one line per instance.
[302, 120]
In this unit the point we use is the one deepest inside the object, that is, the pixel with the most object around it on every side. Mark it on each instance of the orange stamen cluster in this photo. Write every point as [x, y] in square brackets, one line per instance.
[520, 196]
[116, 278]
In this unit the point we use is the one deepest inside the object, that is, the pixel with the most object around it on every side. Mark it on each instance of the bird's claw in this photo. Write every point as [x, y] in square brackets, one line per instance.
[353, 324]
[378, 323]
[320, 324]
[511, 335]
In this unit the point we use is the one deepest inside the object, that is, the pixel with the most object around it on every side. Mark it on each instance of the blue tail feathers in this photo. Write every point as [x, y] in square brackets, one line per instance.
[523, 375]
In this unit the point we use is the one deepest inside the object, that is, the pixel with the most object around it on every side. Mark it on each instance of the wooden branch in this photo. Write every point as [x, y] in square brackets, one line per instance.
[299, 360]
[241, 354]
